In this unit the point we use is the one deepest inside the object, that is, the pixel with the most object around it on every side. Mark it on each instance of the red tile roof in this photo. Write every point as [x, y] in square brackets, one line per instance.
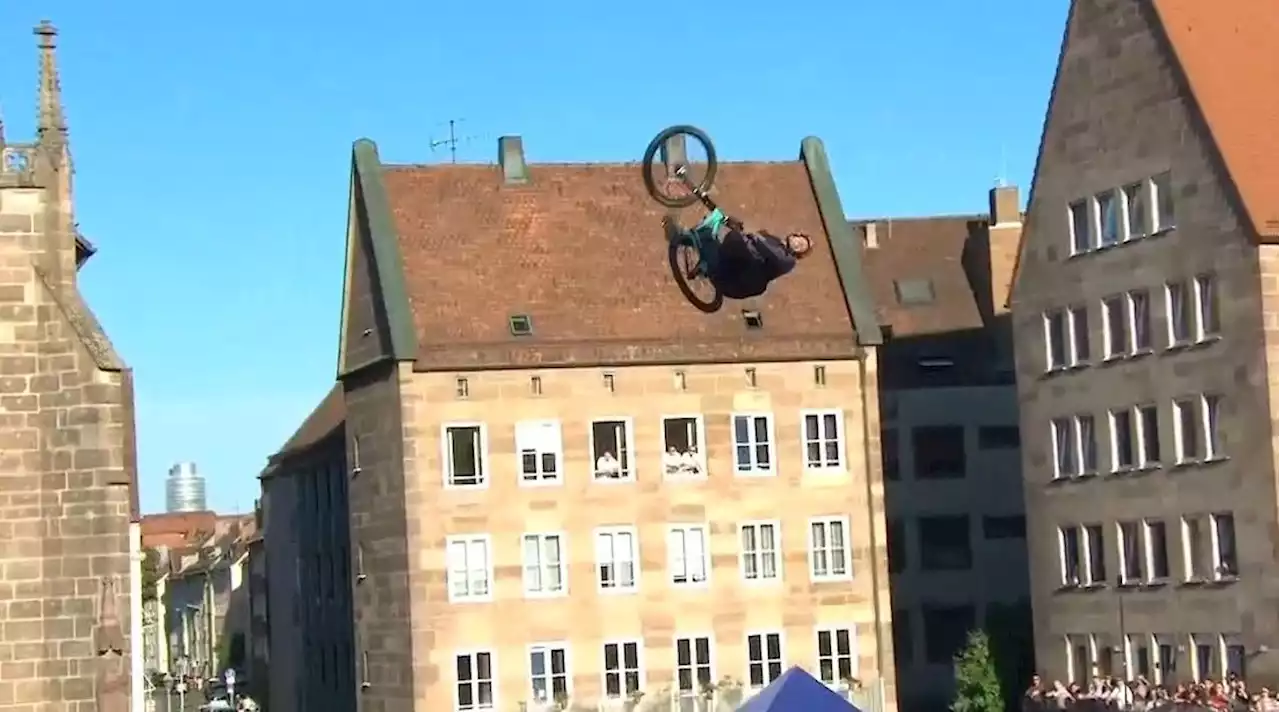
[581, 251]
[1227, 51]
[930, 248]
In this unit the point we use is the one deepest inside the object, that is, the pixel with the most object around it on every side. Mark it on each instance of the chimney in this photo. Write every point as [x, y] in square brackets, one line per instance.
[870, 236]
[1004, 237]
[1006, 208]
[511, 157]
[674, 152]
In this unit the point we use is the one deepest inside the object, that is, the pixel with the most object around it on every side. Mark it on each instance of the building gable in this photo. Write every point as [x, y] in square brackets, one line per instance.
[1115, 77]
[374, 322]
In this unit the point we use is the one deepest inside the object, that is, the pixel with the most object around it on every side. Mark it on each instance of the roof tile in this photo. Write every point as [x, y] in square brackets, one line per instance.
[581, 251]
[1227, 51]
[929, 248]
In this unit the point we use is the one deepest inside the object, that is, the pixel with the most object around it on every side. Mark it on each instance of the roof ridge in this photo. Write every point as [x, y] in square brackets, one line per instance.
[572, 164]
[923, 218]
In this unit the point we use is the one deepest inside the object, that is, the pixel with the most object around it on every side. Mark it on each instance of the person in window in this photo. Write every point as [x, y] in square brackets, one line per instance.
[671, 460]
[690, 463]
[1033, 696]
[608, 466]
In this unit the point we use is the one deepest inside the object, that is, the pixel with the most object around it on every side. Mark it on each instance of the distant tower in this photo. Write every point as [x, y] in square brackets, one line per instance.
[184, 490]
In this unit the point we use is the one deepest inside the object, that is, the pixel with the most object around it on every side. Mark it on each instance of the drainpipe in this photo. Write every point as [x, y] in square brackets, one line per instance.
[871, 520]
[136, 659]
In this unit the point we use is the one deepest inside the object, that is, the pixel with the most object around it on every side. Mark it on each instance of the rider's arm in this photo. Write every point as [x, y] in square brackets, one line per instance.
[775, 255]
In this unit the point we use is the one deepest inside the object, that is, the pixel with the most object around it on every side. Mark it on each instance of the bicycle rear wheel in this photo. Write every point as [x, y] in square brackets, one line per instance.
[660, 169]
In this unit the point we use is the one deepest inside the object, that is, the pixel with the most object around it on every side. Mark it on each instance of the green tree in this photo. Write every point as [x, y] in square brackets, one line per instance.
[977, 684]
[1009, 627]
[150, 573]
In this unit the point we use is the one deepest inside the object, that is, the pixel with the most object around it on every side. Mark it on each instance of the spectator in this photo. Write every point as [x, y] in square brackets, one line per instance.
[608, 466]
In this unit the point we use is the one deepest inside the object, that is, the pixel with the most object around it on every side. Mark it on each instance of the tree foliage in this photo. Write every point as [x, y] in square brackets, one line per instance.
[977, 684]
[1009, 627]
[150, 573]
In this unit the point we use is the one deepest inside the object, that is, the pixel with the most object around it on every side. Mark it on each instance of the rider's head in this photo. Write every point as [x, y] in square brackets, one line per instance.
[799, 244]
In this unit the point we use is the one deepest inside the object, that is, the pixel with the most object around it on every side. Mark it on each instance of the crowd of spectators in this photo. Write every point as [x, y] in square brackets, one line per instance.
[1141, 695]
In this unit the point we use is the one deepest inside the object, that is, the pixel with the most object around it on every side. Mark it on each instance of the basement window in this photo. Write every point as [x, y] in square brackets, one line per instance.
[752, 319]
[520, 324]
[913, 292]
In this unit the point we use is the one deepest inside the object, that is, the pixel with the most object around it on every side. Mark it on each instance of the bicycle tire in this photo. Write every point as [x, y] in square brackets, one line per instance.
[685, 282]
[651, 152]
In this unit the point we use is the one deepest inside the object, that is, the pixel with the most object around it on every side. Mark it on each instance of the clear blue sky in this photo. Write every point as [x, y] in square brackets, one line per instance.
[212, 145]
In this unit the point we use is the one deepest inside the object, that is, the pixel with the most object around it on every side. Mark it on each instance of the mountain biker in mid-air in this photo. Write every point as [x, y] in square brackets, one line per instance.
[742, 264]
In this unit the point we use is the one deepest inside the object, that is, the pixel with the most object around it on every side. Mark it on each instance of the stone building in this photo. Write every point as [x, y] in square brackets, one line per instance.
[566, 481]
[67, 455]
[1144, 309]
[949, 432]
[308, 567]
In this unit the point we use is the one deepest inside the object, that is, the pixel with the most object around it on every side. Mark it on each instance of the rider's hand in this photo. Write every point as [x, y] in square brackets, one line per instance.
[734, 224]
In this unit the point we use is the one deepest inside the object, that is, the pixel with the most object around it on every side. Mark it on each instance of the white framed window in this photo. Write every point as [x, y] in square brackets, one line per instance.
[829, 555]
[1162, 201]
[1057, 334]
[1195, 560]
[1186, 430]
[1234, 655]
[1078, 324]
[623, 668]
[1079, 658]
[761, 542]
[549, 676]
[1138, 303]
[764, 658]
[1208, 323]
[540, 451]
[1204, 654]
[823, 432]
[470, 572]
[1155, 541]
[688, 559]
[1222, 534]
[1129, 545]
[474, 688]
[1095, 563]
[1197, 428]
[1179, 313]
[1107, 209]
[1080, 227]
[1137, 656]
[1165, 657]
[1071, 555]
[545, 571]
[837, 654]
[682, 451]
[1147, 418]
[617, 558]
[1075, 446]
[1211, 421]
[753, 443]
[611, 448]
[1124, 442]
[695, 668]
[464, 452]
[1137, 209]
[1066, 338]
[1115, 327]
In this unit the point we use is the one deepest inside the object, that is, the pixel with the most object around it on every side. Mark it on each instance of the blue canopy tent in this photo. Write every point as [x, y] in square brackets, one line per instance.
[797, 691]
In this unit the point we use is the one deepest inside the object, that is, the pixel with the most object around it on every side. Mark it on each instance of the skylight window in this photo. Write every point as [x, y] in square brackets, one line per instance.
[913, 292]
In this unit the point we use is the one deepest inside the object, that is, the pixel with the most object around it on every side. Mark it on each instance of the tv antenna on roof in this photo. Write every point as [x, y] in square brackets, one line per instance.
[452, 141]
